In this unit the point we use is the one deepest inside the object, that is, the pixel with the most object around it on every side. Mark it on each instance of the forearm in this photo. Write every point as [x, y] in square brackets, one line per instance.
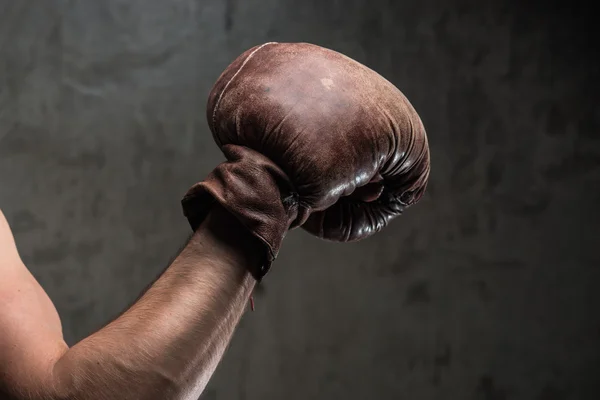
[169, 343]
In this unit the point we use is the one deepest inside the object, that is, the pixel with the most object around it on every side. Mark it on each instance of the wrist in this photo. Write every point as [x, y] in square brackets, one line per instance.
[224, 236]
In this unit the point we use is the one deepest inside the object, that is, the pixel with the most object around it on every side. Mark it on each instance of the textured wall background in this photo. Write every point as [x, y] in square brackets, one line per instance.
[488, 289]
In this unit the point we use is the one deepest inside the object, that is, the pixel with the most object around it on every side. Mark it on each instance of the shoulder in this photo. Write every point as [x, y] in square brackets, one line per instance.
[14, 273]
[31, 338]
[20, 293]
[8, 248]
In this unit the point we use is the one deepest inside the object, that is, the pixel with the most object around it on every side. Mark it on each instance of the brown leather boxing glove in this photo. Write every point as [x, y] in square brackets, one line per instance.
[313, 139]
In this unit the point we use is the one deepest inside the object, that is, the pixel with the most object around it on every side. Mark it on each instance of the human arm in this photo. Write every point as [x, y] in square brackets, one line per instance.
[167, 345]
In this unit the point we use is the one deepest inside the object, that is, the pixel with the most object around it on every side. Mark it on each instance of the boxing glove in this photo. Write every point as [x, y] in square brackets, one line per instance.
[312, 138]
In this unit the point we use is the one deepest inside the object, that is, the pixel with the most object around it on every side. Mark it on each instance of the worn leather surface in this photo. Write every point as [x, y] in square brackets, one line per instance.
[313, 139]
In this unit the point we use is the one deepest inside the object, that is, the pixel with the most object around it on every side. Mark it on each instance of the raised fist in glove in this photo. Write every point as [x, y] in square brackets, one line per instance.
[313, 139]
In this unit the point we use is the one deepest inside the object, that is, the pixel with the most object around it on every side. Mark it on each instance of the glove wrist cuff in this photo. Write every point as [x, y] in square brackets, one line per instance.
[253, 189]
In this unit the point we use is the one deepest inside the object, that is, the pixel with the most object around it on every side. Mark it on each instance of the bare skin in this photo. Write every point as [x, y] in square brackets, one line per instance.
[166, 346]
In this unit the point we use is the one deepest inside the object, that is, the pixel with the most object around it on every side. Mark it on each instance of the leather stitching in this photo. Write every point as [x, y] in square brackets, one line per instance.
[214, 116]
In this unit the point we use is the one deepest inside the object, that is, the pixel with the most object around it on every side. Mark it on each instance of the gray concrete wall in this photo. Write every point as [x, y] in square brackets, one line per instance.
[488, 289]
